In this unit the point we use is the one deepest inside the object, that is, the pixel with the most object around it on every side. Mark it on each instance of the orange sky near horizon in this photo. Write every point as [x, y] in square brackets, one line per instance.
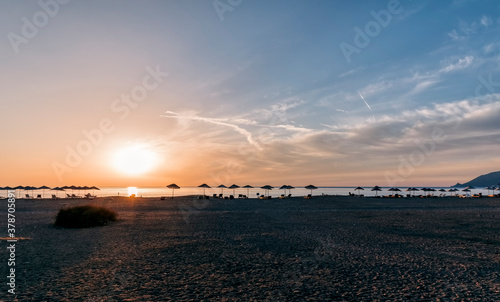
[128, 93]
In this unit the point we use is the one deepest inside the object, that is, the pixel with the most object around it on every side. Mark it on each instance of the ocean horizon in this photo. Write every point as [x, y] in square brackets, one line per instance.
[250, 193]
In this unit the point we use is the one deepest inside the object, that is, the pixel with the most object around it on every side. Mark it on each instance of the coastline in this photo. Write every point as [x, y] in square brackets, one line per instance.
[327, 247]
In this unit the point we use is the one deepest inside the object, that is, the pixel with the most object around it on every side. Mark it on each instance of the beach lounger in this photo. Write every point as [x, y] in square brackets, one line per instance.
[309, 196]
[214, 196]
[163, 198]
[28, 196]
[54, 196]
[39, 196]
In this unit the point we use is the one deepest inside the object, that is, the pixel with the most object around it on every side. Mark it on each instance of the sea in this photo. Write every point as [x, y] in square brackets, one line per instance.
[251, 193]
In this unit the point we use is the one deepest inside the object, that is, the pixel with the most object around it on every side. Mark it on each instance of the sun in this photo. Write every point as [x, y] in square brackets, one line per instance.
[134, 160]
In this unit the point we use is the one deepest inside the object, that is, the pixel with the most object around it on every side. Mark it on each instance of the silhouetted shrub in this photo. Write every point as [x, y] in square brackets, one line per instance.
[84, 216]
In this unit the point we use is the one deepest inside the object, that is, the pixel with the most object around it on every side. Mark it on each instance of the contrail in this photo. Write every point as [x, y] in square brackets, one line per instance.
[363, 98]
[366, 103]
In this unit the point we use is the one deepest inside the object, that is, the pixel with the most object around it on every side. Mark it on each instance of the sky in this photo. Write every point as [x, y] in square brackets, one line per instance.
[333, 93]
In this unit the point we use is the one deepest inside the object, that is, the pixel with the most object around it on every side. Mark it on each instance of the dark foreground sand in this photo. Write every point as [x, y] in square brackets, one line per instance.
[325, 248]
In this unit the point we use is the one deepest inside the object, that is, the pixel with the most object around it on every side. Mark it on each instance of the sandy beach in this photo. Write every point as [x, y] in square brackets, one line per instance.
[320, 249]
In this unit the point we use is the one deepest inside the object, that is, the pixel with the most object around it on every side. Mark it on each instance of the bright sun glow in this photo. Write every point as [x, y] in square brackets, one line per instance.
[134, 160]
[132, 191]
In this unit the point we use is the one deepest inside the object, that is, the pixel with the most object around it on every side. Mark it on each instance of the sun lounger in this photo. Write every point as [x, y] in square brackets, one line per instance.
[309, 196]
[39, 196]
[54, 196]
[28, 196]
[214, 196]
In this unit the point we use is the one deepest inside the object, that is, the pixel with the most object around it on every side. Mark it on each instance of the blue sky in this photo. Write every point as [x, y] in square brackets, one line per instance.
[260, 92]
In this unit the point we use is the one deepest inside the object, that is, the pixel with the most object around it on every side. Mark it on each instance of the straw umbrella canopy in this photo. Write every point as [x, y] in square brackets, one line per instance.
[310, 187]
[43, 188]
[94, 188]
[173, 187]
[234, 187]
[19, 188]
[30, 188]
[414, 190]
[394, 190]
[221, 188]
[358, 189]
[204, 186]
[452, 190]
[248, 187]
[6, 189]
[85, 188]
[267, 188]
[376, 189]
[57, 189]
[470, 188]
[283, 187]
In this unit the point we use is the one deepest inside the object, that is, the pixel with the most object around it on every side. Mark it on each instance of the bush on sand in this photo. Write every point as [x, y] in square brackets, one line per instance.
[85, 216]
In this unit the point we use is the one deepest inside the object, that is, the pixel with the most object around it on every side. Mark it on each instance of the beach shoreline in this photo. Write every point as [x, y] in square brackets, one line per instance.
[340, 248]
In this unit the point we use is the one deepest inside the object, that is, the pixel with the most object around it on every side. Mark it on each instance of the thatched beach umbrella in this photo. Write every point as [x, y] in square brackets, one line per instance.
[359, 190]
[85, 188]
[19, 188]
[43, 188]
[283, 187]
[248, 187]
[94, 188]
[376, 189]
[30, 188]
[57, 189]
[234, 187]
[394, 190]
[221, 188]
[267, 188]
[470, 188]
[204, 186]
[173, 187]
[310, 187]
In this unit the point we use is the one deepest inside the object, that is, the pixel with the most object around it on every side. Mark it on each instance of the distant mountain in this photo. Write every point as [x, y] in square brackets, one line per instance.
[486, 180]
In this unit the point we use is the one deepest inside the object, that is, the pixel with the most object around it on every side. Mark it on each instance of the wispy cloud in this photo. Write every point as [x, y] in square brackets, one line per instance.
[216, 121]
[461, 63]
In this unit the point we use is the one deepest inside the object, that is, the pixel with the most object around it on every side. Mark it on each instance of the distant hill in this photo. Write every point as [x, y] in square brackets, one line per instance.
[486, 180]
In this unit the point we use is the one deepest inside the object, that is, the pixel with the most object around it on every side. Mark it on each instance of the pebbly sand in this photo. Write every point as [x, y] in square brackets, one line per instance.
[321, 249]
